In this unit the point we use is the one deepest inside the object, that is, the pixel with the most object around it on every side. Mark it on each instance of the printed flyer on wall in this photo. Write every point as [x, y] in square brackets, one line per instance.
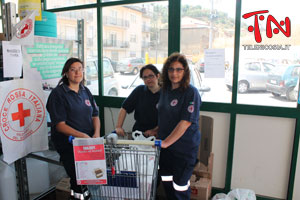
[45, 59]
[90, 163]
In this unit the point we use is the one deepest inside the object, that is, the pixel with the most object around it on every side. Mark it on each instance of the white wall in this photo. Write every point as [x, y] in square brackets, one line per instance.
[262, 154]
[296, 194]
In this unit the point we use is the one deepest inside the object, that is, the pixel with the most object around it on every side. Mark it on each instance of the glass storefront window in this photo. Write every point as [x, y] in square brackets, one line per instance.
[66, 3]
[209, 25]
[69, 23]
[109, 0]
[269, 53]
[12, 1]
[133, 35]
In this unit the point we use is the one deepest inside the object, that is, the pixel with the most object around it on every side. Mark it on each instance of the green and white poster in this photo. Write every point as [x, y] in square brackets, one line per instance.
[45, 59]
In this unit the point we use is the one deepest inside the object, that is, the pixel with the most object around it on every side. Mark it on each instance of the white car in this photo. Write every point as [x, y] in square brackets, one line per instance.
[111, 86]
[252, 76]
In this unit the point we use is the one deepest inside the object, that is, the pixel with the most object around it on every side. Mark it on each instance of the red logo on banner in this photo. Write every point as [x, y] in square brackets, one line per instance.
[270, 19]
[22, 114]
[25, 29]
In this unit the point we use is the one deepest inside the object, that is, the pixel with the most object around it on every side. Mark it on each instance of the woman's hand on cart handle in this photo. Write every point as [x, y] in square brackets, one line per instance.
[151, 132]
[71, 137]
[120, 131]
[164, 144]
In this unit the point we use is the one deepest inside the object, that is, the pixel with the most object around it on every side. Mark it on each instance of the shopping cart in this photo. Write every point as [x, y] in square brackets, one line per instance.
[131, 170]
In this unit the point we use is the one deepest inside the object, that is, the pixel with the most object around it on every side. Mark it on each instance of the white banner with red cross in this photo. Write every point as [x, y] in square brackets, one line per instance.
[23, 32]
[22, 118]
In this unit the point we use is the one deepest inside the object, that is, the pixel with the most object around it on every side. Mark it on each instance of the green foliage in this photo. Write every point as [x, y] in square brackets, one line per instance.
[160, 12]
[219, 18]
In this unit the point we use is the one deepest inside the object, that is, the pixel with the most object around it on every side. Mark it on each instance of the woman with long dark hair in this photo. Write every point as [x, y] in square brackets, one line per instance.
[143, 100]
[178, 116]
[73, 112]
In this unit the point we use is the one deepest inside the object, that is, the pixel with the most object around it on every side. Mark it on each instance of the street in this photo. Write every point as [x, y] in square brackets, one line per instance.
[219, 93]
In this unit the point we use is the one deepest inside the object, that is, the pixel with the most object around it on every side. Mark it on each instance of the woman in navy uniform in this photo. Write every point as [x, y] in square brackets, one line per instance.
[178, 116]
[73, 112]
[143, 100]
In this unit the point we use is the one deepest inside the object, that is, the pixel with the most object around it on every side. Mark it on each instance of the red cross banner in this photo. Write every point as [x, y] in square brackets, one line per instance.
[23, 32]
[22, 118]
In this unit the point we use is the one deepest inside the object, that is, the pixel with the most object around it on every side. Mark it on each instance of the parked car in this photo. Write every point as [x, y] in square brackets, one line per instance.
[252, 76]
[283, 81]
[130, 65]
[296, 91]
[196, 81]
[113, 63]
[200, 65]
[110, 83]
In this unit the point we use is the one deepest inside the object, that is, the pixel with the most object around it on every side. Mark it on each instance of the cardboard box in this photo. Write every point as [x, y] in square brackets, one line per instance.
[63, 189]
[2, 37]
[206, 128]
[204, 171]
[200, 188]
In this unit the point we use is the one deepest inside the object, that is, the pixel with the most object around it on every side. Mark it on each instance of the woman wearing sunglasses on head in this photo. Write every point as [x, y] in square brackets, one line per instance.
[178, 116]
[73, 112]
[143, 100]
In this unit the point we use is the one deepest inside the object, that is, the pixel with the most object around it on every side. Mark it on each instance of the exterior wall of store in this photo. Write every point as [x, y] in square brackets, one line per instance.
[296, 194]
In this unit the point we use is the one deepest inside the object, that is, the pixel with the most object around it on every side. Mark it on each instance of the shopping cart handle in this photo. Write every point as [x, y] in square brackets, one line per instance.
[71, 138]
[157, 143]
[112, 138]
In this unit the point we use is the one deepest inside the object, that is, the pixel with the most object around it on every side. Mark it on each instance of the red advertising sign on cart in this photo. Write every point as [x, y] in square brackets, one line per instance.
[90, 163]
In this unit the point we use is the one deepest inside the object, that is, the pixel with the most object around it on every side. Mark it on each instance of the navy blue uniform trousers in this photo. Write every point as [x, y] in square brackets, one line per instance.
[180, 167]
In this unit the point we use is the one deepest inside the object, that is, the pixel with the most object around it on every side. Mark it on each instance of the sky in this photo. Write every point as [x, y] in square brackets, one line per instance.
[278, 8]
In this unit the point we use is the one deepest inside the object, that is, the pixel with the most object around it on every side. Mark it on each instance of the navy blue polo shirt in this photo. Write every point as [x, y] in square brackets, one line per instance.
[75, 109]
[144, 103]
[174, 106]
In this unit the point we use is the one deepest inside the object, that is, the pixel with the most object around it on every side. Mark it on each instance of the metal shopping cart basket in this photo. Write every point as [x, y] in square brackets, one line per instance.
[131, 170]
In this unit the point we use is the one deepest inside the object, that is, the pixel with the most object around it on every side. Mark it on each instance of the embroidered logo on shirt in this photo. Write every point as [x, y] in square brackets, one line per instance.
[174, 102]
[87, 102]
[191, 108]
